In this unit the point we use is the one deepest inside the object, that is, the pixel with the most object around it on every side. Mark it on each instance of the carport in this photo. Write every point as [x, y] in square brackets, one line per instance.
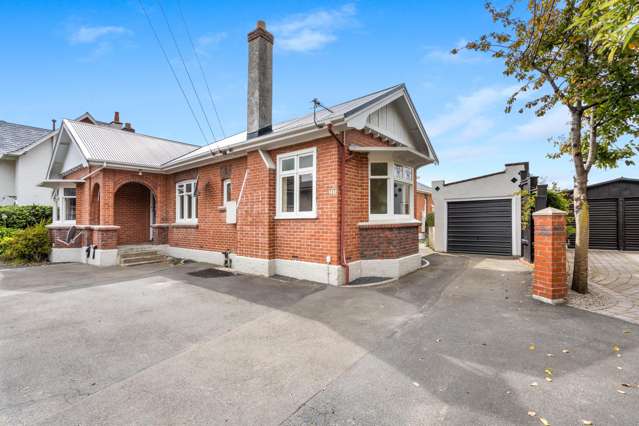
[481, 214]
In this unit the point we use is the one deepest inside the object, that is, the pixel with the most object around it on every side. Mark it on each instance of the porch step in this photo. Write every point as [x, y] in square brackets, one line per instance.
[139, 257]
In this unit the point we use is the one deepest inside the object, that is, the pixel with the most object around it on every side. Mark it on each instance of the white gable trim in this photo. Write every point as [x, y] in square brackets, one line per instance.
[65, 130]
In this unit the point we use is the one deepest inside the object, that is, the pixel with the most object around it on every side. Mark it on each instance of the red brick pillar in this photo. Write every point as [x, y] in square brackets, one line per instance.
[549, 282]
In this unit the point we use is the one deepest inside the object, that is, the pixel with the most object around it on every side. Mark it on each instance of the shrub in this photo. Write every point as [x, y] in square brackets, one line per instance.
[430, 219]
[6, 232]
[21, 217]
[26, 245]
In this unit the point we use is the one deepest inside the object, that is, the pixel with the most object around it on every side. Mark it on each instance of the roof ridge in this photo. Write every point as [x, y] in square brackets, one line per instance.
[133, 133]
[25, 125]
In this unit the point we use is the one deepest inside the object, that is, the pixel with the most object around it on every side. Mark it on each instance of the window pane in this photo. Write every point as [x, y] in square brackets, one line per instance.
[397, 171]
[306, 193]
[408, 174]
[379, 192]
[189, 207]
[180, 189]
[379, 169]
[288, 164]
[306, 161]
[69, 208]
[181, 206]
[228, 191]
[401, 198]
[288, 193]
[188, 188]
[69, 192]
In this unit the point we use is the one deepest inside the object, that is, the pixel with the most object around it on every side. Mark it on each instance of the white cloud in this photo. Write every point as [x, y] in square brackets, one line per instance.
[553, 123]
[469, 115]
[87, 35]
[311, 31]
[464, 56]
[208, 41]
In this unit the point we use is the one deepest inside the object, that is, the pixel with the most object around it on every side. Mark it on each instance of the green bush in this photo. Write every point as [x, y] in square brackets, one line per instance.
[430, 219]
[6, 232]
[21, 217]
[26, 245]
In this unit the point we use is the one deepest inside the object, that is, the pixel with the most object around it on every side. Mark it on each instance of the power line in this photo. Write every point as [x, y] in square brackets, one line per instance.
[186, 69]
[177, 80]
[197, 57]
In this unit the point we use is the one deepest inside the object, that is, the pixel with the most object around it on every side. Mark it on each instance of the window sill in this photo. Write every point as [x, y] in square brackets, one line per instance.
[381, 223]
[296, 216]
[184, 225]
[221, 208]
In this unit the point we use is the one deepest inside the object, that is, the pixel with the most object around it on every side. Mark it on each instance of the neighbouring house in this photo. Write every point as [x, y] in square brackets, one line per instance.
[24, 155]
[423, 206]
[329, 196]
[481, 214]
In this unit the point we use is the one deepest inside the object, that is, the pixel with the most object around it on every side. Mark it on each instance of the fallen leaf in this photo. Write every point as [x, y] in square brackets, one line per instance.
[531, 347]
[532, 413]
[438, 340]
[629, 385]
[548, 371]
[534, 384]
[548, 379]
[619, 368]
[626, 332]
[565, 351]
[586, 422]
[549, 355]
[616, 348]
[621, 391]
[416, 384]
[544, 421]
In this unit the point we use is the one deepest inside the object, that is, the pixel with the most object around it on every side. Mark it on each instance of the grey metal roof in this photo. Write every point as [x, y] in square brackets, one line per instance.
[104, 143]
[424, 188]
[343, 109]
[14, 137]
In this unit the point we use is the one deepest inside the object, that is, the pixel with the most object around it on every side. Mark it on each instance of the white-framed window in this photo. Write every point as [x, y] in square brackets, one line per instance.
[296, 184]
[65, 205]
[390, 190]
[186, 202]
[226, 191]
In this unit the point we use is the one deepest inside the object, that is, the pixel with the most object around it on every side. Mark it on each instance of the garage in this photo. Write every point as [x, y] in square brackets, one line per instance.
[483, 226]
[614, 215]
[480, 215]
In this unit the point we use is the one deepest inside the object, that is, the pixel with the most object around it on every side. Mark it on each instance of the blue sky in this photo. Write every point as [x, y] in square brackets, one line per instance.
[61, 59]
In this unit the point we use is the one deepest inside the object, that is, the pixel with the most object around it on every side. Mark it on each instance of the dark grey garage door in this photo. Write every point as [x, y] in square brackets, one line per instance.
[480, 227]
[631, 223]
[603, 224]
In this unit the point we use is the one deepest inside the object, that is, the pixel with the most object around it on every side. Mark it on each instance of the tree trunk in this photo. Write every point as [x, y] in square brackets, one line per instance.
[580, 200]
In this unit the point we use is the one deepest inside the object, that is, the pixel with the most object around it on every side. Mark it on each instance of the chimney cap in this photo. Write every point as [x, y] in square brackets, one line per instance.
[261, 24]
[116, 117]
[261, 32]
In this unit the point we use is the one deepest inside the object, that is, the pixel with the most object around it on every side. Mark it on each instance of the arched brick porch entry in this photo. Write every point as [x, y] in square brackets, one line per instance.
[132, 213]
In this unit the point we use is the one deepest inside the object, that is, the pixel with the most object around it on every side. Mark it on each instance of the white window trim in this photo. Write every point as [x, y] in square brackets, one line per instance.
[390, 180]
[192, 220]
[279, 214]
[225, 183]
[61, 206]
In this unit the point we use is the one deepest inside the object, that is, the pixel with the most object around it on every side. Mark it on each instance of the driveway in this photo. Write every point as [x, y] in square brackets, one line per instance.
[449, 344]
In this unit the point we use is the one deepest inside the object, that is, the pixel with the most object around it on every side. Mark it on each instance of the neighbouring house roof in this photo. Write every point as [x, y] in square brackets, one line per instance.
[342, 111]
[101, 143]
[15, 137]
[424, 188]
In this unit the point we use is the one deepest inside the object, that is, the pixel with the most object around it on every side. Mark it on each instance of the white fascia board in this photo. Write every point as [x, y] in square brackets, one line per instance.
[392, 149]
[74, 137]
[87, 115]
[56, 145]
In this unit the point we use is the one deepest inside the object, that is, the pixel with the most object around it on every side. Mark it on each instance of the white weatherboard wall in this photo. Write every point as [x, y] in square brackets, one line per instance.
[7, 182]
[31, 169]
[490, 187]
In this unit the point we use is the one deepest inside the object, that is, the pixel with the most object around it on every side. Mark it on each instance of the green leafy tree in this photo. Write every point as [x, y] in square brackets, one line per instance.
[557, 63]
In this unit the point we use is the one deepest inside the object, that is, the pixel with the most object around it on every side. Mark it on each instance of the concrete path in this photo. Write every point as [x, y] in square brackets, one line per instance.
[614, 275]
[449, 344]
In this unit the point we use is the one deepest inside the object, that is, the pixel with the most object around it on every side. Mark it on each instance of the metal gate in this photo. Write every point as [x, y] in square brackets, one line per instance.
[483, 227]
[631, 223]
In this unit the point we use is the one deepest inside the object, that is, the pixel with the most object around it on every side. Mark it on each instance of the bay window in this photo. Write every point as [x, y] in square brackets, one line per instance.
[186, 202]
[65, 205]
[296, 176]
[390, 190]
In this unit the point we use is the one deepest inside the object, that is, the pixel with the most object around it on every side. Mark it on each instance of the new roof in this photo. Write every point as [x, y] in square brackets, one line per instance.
[104, 143]
[340, 110]
[14, 137]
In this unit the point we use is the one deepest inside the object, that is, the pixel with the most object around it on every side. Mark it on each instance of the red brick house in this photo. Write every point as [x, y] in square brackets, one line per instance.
[328, 197]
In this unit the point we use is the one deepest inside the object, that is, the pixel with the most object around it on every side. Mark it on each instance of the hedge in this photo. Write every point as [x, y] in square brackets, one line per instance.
[21, 217]
[26, 245]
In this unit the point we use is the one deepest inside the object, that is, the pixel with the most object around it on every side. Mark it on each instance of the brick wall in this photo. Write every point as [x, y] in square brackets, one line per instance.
[388, 241]
[132, 213]
[549, 279]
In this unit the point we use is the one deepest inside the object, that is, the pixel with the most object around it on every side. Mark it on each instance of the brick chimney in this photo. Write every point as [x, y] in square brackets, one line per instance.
[260, 81]
[127, 128]
[116, 121]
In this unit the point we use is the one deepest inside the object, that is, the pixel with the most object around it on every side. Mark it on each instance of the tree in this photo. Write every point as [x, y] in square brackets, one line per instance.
[556, 59]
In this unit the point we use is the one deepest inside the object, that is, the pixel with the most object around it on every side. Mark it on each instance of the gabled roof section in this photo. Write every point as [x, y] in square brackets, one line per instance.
[353, 113]
[111, 145]
[15, 137]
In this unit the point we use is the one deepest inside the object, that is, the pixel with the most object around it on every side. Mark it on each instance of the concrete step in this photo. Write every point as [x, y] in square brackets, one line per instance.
[134, 254]
[142, 259]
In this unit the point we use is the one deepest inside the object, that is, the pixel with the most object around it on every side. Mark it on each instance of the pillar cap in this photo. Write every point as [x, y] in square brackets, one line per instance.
[550, 211]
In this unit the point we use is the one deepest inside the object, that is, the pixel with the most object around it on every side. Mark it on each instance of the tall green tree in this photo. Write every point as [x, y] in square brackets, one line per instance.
[557, 63]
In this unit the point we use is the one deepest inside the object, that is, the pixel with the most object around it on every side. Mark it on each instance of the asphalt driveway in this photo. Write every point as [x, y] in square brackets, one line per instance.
[449, 344]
